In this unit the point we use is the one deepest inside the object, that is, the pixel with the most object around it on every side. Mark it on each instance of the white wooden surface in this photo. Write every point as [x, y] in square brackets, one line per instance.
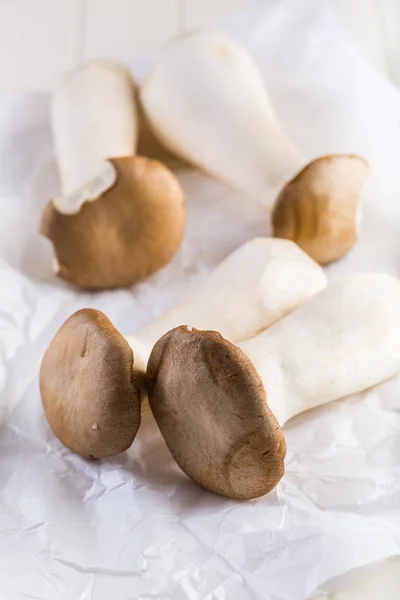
[37, 41]
[123, 28]
[41, 39]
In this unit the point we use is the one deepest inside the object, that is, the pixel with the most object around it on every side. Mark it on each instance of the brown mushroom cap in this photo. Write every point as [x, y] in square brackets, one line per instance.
[124, 236]
[89, 393]
[210, 405]
[318, 209]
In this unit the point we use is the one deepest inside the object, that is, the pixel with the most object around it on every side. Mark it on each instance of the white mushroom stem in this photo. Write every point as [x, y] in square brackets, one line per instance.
[258, 284]
[206, 101]
[344, 340]
[94, 118]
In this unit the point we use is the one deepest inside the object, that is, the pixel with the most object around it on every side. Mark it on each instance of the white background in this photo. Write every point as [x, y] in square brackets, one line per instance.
[40, 39]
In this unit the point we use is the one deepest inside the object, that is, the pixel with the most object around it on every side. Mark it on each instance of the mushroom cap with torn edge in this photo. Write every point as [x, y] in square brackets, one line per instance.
[90, 394]
[211, 408]
[126, 234]
[319, 208]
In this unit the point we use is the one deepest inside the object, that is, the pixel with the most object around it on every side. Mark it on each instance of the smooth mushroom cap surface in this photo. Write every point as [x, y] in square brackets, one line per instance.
[128, 233]
[89, 392]
[319, 209]
[210, 405]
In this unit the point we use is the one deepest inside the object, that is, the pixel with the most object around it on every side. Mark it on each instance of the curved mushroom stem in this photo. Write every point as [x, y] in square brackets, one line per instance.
[90, 379]
[120, 217]
[221, 407]
[94, 118]
[206, 101]
[343, 341]
[255, 286]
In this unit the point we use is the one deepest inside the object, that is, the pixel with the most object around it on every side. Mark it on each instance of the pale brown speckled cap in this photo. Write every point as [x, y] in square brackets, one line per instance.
[90, 395]
[210, 405]
[128, 233]
[319, 208]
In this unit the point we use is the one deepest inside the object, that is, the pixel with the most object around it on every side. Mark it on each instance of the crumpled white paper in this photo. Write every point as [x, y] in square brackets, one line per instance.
[134, 527]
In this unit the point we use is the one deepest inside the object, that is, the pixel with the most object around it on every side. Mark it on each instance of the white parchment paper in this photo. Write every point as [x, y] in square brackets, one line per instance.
[134, 527]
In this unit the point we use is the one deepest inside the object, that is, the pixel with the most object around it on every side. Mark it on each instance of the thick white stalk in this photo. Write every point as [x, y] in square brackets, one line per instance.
[206, 101]
[94, 118]
[254, 287]
[344, 340]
